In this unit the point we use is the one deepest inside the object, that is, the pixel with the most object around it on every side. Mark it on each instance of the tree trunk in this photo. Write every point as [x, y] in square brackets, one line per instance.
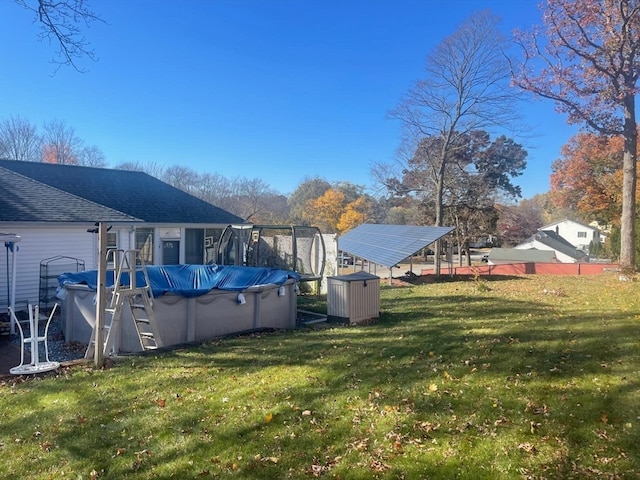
[629, 181]
[439, 213]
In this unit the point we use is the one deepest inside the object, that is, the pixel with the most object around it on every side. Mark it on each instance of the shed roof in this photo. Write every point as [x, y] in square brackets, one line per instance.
[521, 255]
[135, 194]
[387, 245]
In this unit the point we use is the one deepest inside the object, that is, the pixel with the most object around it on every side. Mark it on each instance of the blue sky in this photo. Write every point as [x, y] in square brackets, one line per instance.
[273, 89]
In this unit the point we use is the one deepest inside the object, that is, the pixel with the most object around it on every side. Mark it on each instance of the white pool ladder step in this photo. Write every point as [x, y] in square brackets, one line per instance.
[138, 300]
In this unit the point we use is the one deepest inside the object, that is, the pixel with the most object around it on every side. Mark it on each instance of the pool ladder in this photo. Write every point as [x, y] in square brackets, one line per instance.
[125, 293]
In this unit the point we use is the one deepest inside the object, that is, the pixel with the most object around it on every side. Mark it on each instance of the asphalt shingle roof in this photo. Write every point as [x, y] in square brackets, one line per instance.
[135, 194]
[25, 200]
[555, 241]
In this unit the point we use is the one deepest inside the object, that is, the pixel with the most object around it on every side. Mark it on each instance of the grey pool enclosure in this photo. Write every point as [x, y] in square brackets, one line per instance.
[271, 260]
[300, 249]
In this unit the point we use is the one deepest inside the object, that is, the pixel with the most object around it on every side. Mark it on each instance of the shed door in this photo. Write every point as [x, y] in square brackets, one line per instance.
[170, 252]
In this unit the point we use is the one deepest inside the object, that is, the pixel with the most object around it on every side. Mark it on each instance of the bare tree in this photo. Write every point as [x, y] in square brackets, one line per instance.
[250, 197]
[466, 88]
[182, 177]
[216, 189]
[152, 168]
[276, 209]
[92, 157]
[19, 140]
[588, 62]
[60, 144]
[61, 23]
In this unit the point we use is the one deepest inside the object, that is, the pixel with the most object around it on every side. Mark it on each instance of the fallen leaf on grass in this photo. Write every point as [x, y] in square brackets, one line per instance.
[119, 452]
[527, 448]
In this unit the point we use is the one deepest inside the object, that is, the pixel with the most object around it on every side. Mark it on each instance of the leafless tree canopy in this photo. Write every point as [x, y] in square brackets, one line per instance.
[466, 84]
[61, 144]
[92, 157]
[19, 140]
[62, 23]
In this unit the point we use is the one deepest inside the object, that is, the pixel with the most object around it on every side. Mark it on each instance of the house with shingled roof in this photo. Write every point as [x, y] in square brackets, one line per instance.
[549, 240]
[54, 209]
[578, 234]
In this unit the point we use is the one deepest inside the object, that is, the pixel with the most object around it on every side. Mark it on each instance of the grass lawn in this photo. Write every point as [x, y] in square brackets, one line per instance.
[529, 377]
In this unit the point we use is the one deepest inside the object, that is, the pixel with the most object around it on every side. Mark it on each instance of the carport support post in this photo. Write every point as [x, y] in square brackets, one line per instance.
[101, 300]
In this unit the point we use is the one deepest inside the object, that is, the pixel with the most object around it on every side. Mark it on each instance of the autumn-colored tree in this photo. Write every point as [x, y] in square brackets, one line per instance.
[332, 212]
[518, 222]
[588, 178]
[325, 211]
[587, 61]
[61, 144]
[356, 213]
[309, 189]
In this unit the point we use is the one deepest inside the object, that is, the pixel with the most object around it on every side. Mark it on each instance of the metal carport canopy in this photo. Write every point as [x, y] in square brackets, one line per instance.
[387, 245]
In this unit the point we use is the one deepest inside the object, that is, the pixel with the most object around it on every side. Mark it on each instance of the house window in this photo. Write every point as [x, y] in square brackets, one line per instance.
[144, 244]
[582, 234]
[112, 240]
[112, 244]
[194, 246]
[201, 245]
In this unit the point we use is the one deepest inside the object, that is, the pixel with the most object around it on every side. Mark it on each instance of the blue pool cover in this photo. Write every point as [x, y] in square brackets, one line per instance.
[189, 280]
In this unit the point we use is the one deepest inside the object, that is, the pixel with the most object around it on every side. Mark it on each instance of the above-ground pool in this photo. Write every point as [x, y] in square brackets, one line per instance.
[192, 303]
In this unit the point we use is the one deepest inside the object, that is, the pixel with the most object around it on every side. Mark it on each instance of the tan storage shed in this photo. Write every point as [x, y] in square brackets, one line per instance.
[353, 298]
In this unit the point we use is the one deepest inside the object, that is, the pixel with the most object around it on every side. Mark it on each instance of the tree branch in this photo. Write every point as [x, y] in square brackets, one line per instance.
[59, 23]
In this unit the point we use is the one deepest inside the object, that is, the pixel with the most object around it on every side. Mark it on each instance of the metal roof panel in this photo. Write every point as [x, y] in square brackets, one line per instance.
[387, 245]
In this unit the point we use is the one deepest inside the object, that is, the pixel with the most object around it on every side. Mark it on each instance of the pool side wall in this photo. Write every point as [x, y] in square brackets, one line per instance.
[181, 319]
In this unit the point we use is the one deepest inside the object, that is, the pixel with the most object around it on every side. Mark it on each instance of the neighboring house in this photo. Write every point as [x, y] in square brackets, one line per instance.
[603, 230]
[579, 235]
[501, 256]
[549, 240]
[54, 209]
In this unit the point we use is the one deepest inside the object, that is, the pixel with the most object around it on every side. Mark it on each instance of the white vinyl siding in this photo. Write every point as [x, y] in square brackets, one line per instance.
[577, 234]
[39, 243]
